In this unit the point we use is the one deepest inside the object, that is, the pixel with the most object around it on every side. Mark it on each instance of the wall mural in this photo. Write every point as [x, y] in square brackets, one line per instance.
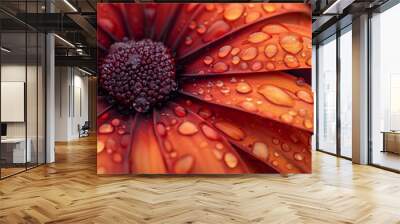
[195, 88]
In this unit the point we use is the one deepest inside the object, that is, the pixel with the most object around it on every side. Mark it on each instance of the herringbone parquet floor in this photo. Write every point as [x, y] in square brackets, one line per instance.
[69, 191]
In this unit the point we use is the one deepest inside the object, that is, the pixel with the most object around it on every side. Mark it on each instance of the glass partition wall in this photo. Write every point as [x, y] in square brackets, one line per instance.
[22, 77]
[334, 93]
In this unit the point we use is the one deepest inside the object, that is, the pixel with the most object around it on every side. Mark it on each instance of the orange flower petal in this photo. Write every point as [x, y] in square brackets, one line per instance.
[146, 157]
[217, 21]
[277, 96]
[113, 143]
[284, 148]
[109, 19]
[193, 145]
[274, 45]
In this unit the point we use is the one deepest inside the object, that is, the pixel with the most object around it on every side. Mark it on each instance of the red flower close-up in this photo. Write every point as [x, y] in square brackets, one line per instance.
[204, 88]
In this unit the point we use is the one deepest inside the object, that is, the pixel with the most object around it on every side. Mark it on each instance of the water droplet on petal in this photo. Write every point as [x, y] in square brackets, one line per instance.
[235, 60]
[219, 146]
[309, 62]
[230, 130]
[252, 16]
[308, 124]
[209, 132]
[161, 129]
[192, 25]
[275, 163]
[291, 61]
[224, 51]
[305, 96]
[117, 157]
[260, 150]
[100, 146]
[219, 83]
[106, 128]
[275, 141]
[276, 95]
[243, 87]
[205, 113]
[291, 43]
[225, 90]
[270, 66]
[235, 51]
[220, 67]
[274, 29]
[233, 11]
[216, 30]
[187, 128]
[243, 65]
[258, 37]
[302, 112]
[270, 50]
[208, 60]
[249, 54]
[210, 7]
[285, 147]
[167, 146]
[298, 156]
[256, 66]
[294, 138]
[184, 164]
[269, 8]
[248, 106]
[287, 118]
[201, 29]
[208, 97]
[218, 154]
[230, 160]
[180, 111]
[188, 40]
[289, 166]
[116, 122]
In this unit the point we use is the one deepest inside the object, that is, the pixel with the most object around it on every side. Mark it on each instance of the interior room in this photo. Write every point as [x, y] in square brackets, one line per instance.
[70, 152]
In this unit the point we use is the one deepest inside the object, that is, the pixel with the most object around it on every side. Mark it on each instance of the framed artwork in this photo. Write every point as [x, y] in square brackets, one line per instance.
[204, 88]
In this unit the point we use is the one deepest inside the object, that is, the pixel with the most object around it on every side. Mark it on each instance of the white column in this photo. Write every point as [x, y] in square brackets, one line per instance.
[360, 90]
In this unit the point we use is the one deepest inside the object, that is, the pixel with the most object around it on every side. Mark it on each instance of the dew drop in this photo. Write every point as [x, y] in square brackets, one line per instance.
[270, 50]
[276, 154]
[275, 141]
[220, 67]
[100, 146]
[180, 111]
[208, 60]
[230, 130]
[252, 16]
[302, 112]
[291, 61]
[260, 150]
[106, 128]
[248, 106]
[116, 122]
[201, 29]
[308, 124]
[270, 66]
[309, 62]
[230, 160]
[269, 8]
[258, 37]
[285, 147]
[218, 154]
[274, 29]
[298, 156]
[275, 163]
[256, 66]
[173, 154]
[192, 25]
[249, 54]
[291, 43]
[235, 60]
[233, 11]
[208, 97]
[289, 166]
[161, 129]
[209, 132]
[117, 157]
[184, 164]
[219, 146]
[287, 118]
[225, 90]
[217, 29]
[235, 51]
[205, 113]
[121, 131]
[294, 138]
[188, 40]
[305, 96]
[243, 87]
[276, 95]
[167, 146]
[224, 51]
[210, 7]
[187, 128]
[244, 66]
[219, 83]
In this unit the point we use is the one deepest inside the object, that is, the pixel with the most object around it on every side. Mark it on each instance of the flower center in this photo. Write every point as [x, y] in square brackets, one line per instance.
[138, 75]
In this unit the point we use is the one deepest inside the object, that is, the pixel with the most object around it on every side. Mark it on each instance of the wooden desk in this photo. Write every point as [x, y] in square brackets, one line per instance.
[391, 141]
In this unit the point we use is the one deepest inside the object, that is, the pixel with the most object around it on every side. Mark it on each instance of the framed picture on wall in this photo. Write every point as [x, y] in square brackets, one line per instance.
[204, 88]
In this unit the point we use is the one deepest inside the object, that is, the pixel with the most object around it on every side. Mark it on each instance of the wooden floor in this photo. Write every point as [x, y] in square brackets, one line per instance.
[69, 191]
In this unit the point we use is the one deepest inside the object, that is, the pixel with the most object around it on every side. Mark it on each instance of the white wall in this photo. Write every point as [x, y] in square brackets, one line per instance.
[71, 94]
